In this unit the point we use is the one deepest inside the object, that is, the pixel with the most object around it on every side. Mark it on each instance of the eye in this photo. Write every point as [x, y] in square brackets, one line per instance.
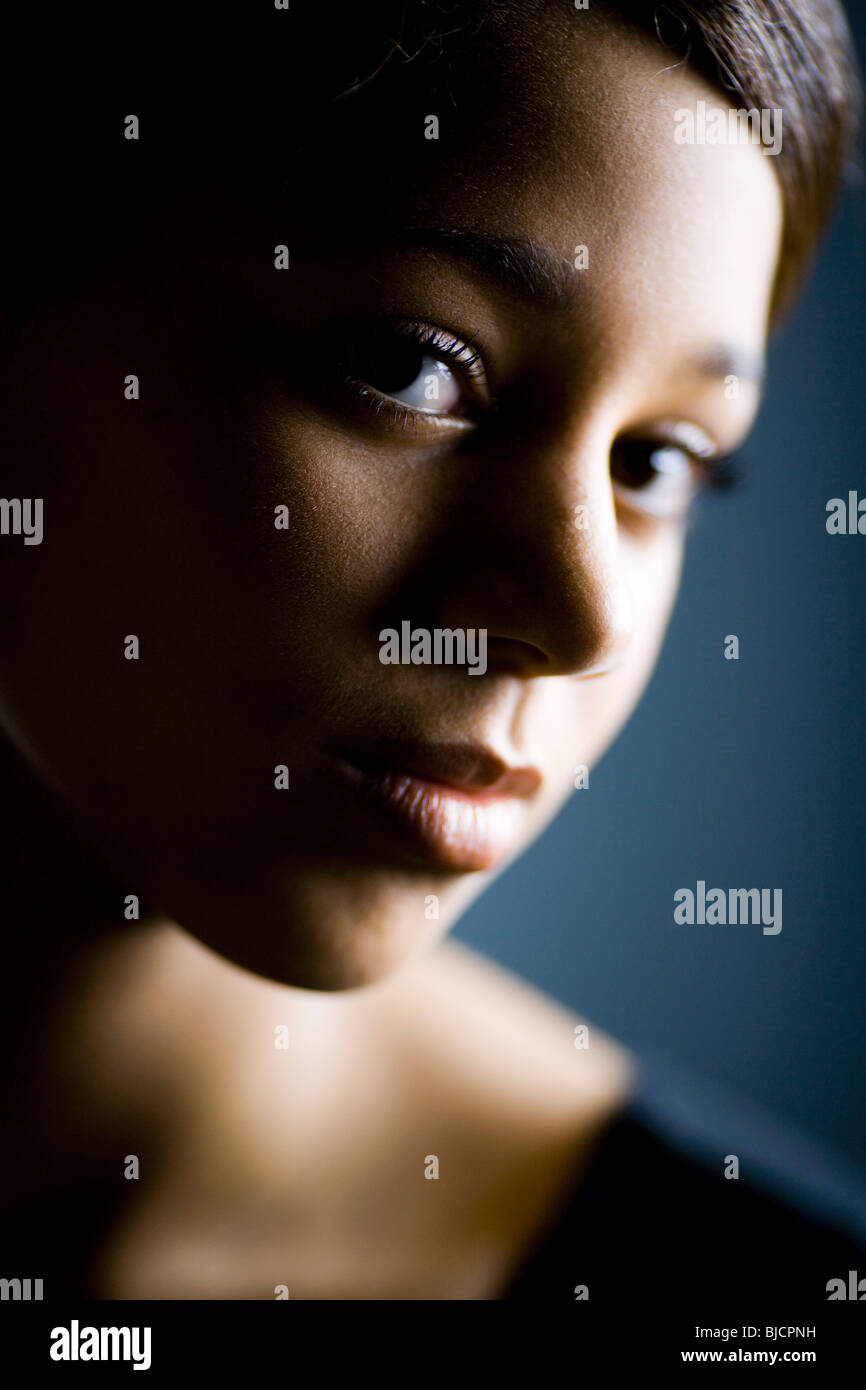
[661, 478]
[412, 375]
[402, 370]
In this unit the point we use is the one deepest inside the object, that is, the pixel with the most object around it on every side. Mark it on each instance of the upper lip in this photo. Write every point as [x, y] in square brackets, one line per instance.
[468, 767]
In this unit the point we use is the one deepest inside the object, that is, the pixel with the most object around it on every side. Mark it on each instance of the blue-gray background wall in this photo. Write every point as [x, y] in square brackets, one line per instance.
[748, 773]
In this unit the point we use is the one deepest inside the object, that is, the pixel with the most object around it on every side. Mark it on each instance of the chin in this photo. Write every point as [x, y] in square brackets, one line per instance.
[324, 931]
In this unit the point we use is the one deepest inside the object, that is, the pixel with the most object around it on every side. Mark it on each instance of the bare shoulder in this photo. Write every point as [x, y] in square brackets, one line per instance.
[501, 1037]
[493, 1084]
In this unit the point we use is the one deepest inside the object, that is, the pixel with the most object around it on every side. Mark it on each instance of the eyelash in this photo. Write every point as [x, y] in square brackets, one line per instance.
[463, 354]
[725, 472]
[720, 473]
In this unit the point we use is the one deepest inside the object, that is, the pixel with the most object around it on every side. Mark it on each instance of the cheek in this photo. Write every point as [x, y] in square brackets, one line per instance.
[652, 568]
[366, 517]
[351, 512]
[652, 565]
[583, 717]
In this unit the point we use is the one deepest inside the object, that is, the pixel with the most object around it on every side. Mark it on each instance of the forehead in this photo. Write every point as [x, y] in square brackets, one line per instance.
[558, 127]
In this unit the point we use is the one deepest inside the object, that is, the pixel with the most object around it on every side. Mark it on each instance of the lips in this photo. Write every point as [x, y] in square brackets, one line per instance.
[458, 806]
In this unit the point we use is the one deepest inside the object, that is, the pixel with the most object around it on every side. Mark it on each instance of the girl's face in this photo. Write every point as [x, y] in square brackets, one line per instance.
[462, 431]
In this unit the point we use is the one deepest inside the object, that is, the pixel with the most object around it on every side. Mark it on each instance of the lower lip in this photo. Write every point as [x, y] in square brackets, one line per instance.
[451, 828]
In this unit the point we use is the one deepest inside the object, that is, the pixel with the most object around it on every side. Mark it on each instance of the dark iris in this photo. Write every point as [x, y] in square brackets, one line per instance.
[631, 462]
[387, 362]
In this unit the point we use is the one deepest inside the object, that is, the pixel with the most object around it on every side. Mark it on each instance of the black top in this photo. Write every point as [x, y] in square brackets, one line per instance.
[653, 1219]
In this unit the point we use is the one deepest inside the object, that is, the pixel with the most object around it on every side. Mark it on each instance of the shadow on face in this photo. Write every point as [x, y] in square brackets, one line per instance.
[474, 395]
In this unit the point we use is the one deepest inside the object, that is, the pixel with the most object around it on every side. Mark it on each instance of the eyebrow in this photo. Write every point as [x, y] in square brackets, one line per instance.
[520, 266]
[536, 275]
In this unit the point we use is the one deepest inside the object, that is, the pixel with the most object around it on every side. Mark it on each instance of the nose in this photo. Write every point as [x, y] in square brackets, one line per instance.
[536, 559]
